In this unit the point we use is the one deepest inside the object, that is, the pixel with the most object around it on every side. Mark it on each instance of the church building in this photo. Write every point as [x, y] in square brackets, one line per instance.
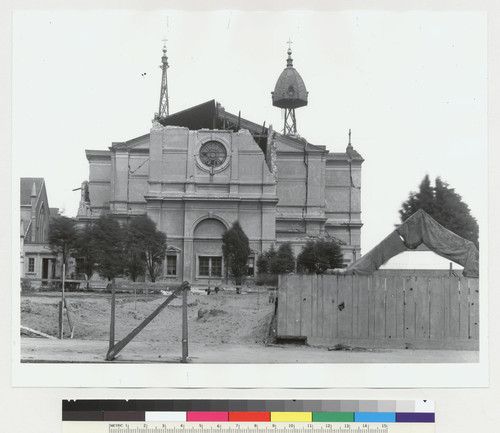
[199, 170]
[37, 260]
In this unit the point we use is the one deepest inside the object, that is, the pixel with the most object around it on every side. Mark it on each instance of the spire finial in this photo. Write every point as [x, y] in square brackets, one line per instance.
[349, 148]
[289, 61]
[163, 110]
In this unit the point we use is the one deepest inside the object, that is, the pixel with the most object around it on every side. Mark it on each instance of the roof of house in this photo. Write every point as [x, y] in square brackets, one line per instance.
[27, 188]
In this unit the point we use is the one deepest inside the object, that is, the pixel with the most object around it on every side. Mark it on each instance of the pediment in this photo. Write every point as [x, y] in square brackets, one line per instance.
[138, 143]
[296, 144]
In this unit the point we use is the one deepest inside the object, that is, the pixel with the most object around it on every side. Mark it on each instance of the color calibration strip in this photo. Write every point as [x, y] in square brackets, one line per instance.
[221, 411]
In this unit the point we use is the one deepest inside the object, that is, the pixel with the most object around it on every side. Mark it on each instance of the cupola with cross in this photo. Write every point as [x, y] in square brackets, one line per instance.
[290, 93]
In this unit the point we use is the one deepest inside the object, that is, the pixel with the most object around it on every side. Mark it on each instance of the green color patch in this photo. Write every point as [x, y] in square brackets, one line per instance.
[333, 416]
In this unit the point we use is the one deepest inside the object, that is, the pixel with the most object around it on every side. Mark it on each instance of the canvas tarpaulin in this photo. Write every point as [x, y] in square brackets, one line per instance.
[420, 228]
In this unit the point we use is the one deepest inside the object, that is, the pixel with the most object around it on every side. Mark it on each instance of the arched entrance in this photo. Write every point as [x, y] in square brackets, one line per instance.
[207, 250]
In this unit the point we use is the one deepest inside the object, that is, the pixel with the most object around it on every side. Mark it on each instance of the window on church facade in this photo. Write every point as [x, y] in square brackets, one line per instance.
[171, 265]
[209, 266]
[31, 264]
[251, 266]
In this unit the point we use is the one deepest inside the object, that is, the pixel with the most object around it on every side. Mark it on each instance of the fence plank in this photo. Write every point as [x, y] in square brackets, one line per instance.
[306, 303]
[446, 306]
[379, 299]
[314, 306]
[363, 285]
[320, 302]
[297, 304]
[436, 307]
[355, 307]
[290, 311]
[474, 308]
[463, 332]
[421, 290]
[400, 306]
[391, 307]
[344, 306]
[454, 307]
[410, 308]
[334, 306]
[281, 320]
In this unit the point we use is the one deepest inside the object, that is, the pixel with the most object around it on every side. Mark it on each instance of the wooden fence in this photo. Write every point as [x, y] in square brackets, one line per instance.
[381, 310]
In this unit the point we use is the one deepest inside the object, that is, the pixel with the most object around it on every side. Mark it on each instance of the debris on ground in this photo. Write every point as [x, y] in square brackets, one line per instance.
[346, 347]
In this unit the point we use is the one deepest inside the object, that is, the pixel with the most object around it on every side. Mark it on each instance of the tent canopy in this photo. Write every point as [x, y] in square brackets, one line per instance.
[420, 228]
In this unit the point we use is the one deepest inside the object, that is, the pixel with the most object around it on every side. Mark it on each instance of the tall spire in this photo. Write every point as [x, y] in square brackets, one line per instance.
[163, 110]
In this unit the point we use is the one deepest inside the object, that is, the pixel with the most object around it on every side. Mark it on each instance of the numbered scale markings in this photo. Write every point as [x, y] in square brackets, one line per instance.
[228, 427]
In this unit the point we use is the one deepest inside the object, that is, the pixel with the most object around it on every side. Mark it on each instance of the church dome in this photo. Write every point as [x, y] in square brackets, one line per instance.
[290, 90]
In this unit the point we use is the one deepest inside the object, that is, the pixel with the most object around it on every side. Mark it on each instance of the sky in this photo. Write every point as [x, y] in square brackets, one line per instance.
[412, 87]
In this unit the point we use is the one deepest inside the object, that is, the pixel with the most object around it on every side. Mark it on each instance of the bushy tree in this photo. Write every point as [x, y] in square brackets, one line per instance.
[236, 249]
[273, 262]
[319, 255]
[264, 260]
[283, 261]
[62, 236]
[135, 260]
[84, 249]
[146, 248]
[445, 206]
[109, 244]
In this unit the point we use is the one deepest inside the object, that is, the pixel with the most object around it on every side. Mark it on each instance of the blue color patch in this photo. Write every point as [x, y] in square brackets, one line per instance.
[374, 417]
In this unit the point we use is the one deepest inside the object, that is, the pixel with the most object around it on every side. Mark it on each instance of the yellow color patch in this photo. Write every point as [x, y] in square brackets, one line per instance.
[291, 416]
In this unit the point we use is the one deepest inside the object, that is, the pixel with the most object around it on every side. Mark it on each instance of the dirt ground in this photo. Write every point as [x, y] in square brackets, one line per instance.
[228, 318]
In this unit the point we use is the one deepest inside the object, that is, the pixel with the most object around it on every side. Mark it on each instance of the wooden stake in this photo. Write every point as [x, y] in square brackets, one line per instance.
[60, 320]
[68, 315]
[184, 325]
[61, 311]
[112, 323]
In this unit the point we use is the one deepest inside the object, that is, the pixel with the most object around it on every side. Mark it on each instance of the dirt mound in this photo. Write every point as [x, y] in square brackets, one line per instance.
[204, 314]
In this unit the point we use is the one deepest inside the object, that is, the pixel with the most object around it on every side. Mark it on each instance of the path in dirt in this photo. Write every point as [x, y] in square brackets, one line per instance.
[84, 351]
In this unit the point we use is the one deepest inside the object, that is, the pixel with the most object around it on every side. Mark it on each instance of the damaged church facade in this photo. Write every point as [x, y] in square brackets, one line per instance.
[199, 170]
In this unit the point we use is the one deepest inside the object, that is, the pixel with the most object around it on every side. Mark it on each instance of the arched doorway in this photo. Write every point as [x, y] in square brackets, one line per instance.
[207, 250]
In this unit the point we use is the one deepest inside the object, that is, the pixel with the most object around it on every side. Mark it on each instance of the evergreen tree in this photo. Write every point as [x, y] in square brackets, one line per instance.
[85, 250]
[146, 248]
[262, 264]
[445, 206]
[109, 243]
[236, 249]
[319, 255]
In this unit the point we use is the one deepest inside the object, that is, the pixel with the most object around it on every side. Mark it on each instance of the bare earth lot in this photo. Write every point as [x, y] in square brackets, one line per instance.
[234, 329]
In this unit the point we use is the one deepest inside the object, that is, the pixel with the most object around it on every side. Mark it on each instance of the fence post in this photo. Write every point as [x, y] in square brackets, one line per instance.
[61, 320]
[184, 323]
[61, 309]
[112, 323]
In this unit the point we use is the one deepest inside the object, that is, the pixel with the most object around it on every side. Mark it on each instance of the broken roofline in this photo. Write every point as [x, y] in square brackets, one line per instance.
[212, 115]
